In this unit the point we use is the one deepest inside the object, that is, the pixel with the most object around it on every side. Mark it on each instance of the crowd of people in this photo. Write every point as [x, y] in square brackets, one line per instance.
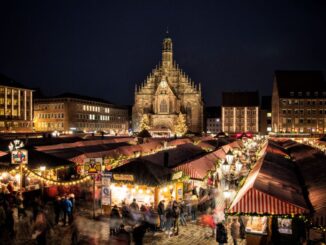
[19, 224]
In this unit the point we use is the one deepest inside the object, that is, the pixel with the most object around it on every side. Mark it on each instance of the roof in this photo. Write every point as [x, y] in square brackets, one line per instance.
[300, 81]
[273, 178]
[36, 159]
[6, 81]
[240, 99]
[145, 173]
[79, 97]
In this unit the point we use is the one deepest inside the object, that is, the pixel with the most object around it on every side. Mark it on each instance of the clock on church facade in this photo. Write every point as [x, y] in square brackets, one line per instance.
[165, 94]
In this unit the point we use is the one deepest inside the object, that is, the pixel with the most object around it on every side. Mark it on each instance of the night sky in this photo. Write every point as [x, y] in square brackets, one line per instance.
[102, 48]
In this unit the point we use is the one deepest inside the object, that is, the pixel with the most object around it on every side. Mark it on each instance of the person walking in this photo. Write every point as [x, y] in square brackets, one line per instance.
[67, 208]
[235, 231]
[114, 220]
[221, 234]
[134, 205]
[176, 215]
[183, 213]
[57, 209]
[169, 219]
[194, 207]
[20, 205]
[160, 211]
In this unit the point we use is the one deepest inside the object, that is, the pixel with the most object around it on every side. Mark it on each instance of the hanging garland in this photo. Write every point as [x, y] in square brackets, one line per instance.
[56, 182]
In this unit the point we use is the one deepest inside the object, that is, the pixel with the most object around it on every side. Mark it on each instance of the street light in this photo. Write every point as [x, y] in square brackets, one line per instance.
[238, 166]
[229, 157]
[225, 168]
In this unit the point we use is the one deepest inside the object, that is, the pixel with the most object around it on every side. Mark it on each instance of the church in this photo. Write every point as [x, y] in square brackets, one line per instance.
[166, 93]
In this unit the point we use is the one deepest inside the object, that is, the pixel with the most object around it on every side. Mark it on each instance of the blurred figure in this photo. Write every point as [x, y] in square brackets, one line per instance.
[134, 206]
[67, 208]
[194, 207]
[176, 215]
[72, 200]
[57, 209]
[40, 229]
[122, 237]
[160, 211]
[20, 205]
[125, 212]
[242, 229]
[10, 223]
[183, 213]
[139, 232]
[114, 220]
[221, 234]
[169, 219]
[235, 231]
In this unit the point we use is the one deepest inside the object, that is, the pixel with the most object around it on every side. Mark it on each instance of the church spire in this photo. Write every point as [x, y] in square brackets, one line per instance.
[167, 51]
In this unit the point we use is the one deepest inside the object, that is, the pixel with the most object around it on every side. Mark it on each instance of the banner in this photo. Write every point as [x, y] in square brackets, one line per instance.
[93, 165]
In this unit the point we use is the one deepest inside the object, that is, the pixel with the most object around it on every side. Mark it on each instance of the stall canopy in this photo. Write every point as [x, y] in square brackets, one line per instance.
[36, 159]
[272, 187]
[312, 165]
[145, 173]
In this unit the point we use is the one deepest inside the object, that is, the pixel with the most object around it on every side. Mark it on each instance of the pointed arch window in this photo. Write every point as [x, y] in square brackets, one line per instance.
[163, 106]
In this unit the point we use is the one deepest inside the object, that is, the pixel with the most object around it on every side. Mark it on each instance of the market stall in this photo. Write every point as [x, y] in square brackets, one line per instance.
[270, 202]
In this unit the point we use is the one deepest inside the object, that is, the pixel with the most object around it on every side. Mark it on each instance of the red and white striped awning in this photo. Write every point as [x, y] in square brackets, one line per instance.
[254, 201]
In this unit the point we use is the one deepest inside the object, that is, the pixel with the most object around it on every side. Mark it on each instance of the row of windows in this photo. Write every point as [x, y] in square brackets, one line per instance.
[51, 125]
[51, 115]
[240, 128]
[303, 120]
[307, 93]
[303, 102]
[249, 112]
[302, 111]
[99, 125]
[52, 106]
[249, 120]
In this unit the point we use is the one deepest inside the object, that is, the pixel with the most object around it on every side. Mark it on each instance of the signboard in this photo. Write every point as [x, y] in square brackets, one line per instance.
[255, 224]
[106, 192]
[123, 177]
[177, 175]
[93, 165]
[19, 157]
[284, 226]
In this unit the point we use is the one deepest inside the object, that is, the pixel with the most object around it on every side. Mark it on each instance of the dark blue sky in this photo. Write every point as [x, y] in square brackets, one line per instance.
[102, 48]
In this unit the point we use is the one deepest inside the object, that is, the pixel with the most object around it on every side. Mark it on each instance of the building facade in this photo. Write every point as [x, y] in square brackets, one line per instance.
[16, 106]
[213, 119]
[240, 112]
[299, 102]
[71, 112]
[166, 92]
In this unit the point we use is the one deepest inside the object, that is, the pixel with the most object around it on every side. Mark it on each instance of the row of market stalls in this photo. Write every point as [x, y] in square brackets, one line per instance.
[283, 194]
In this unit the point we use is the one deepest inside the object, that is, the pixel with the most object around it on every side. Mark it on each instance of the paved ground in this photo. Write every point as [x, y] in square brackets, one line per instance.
[96, 232]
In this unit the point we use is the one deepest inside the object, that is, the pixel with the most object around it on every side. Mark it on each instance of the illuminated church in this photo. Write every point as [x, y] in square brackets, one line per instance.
[166, 92]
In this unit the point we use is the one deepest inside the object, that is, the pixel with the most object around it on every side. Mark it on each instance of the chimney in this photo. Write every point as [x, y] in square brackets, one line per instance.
[166, 159]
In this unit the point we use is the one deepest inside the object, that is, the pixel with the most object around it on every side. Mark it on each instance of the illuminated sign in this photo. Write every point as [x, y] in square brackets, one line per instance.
[93, 165]
[123, 177]
[177, 175]
[19, 157]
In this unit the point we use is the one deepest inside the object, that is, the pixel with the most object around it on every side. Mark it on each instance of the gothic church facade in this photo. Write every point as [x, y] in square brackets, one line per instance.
[167, 92]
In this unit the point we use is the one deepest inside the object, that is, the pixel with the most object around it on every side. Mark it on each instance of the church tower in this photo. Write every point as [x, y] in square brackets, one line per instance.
[166, 93]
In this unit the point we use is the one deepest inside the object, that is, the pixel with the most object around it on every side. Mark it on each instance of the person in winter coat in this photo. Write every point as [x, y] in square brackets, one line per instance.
[235, 231]
[182, 213]
[67, 210]
[139, 233]
[57, 209]
[169, 218]
[221, 234]
[114, 220]
[134, 206]
[160, 211]
[176, 215]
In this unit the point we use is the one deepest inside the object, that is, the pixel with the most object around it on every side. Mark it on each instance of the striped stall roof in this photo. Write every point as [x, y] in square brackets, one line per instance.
[255, 201]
